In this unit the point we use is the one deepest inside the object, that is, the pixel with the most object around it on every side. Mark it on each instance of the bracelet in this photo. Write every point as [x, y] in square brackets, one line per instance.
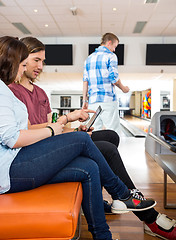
[85, 101]
[76, 130]
[66, 118]
[51, 129]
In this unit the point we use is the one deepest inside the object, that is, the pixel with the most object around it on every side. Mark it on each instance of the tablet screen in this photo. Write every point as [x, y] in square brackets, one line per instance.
[93, 118]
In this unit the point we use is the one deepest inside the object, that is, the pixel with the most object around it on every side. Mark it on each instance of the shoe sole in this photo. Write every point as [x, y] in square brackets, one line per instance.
[154, 234]
[115, 211]
[129, 209]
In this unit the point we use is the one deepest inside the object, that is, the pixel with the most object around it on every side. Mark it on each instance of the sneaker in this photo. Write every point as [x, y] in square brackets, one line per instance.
[135, 202]
[163, 227]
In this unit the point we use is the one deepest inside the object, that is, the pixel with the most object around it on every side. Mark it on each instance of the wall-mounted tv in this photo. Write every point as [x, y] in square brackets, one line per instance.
[59, 54]
[119, 52]
[161, 54]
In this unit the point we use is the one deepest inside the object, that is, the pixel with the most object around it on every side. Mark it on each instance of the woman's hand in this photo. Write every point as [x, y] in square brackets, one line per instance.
[57, 127]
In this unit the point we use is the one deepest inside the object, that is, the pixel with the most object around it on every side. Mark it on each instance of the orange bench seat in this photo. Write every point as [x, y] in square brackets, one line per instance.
[49, 212]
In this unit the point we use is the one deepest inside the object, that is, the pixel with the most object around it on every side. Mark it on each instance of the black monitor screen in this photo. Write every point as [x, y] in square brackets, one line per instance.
[59, 54]
[161, 54]
[119, 51]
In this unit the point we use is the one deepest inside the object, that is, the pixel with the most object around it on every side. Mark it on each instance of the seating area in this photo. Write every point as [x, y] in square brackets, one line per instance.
[49, 212]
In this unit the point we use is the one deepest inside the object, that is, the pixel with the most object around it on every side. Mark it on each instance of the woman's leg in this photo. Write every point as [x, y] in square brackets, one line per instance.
[38, 163]
[85, 170]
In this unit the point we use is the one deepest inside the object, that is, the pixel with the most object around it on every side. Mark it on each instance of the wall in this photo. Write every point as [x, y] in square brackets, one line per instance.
[134, 59]
[134, 73]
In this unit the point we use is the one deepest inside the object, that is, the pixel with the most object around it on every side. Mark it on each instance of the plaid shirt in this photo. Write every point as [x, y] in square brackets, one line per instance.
[100, 71]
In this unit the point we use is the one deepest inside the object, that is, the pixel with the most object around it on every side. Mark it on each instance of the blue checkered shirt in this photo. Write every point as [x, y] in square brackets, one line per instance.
[100, 71]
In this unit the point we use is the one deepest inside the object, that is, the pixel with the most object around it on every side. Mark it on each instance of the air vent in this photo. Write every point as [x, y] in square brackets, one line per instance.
[1, 4]
[139, 27]
[151, 1]
[22, 28]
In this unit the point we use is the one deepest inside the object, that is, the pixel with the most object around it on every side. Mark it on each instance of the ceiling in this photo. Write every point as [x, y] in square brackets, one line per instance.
[93, 18]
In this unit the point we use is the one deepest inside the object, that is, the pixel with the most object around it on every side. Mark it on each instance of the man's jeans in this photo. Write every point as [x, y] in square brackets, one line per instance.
[69, 157]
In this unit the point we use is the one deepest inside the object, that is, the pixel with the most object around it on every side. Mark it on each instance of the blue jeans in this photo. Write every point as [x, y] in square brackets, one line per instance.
[67, 158]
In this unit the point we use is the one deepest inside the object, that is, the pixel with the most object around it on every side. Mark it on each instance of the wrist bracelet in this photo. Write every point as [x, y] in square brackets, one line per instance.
[76, 130]
[85, 101]
[51, 129]
[66, 118]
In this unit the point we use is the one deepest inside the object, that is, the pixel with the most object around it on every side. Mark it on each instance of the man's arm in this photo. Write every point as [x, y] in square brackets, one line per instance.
[85, 98]
[119, 84]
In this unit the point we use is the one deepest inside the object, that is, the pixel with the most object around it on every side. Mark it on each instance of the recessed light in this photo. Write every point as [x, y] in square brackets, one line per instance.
[46, 25]
[114, 9]
[35, 10]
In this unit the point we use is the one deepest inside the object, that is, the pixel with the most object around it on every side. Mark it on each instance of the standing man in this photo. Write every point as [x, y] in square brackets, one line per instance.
[99, 81]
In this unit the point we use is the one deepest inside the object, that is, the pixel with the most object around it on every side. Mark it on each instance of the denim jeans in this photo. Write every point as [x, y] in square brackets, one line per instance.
[64, 158]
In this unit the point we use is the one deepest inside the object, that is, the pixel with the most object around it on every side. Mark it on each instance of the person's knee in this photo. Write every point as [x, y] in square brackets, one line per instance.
[114, 137]
[83, 136]
[92, 167]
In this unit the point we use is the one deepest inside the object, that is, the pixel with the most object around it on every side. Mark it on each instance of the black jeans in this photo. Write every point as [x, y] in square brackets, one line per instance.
[108, 141]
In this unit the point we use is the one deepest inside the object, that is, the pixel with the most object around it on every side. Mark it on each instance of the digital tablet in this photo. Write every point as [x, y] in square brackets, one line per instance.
[93, 118]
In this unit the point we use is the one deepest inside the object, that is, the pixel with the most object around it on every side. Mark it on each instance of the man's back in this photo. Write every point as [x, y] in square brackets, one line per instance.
[100, 71]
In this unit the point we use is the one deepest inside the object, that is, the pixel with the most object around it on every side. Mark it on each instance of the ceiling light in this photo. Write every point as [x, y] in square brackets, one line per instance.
[46, 25]
[22, 28]
[114, 9]
[73, 10]
[35, 10]
[150, 1]
[139, 27]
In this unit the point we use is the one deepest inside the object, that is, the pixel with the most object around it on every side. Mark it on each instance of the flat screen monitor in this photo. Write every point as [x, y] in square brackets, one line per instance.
[161, 54]
[119, 51]
[59, 54]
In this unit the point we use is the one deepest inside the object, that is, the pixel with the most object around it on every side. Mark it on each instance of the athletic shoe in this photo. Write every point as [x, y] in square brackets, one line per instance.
[135, 202]
[107, 204]
[163, 227]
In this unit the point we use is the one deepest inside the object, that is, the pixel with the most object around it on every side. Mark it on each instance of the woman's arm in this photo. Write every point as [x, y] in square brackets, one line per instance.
[28, 137]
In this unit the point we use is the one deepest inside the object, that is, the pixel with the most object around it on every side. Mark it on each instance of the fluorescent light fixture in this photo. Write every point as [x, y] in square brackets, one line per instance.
[150, 1]
[22, 28]
[1, 4]
[139, 27]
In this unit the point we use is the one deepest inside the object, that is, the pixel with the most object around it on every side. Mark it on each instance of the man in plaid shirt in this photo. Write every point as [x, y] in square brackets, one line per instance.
[99, 81]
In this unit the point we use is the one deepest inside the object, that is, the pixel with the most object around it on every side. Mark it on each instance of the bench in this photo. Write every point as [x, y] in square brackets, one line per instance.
[50, 212]
[168, 163]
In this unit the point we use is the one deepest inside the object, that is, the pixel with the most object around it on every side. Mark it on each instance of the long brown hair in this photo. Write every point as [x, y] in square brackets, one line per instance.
[12, 53]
